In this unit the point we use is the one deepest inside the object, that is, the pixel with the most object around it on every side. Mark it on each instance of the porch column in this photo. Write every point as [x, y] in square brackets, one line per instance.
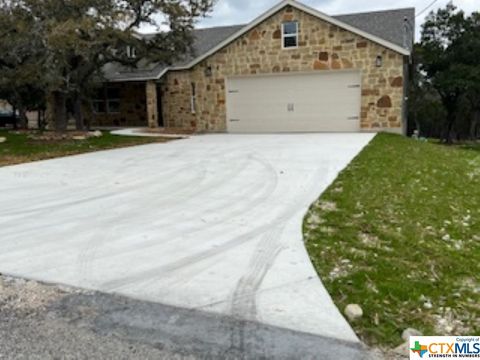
[152, 107]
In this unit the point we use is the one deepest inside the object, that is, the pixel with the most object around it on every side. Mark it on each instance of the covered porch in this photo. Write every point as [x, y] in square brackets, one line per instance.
[128, 104]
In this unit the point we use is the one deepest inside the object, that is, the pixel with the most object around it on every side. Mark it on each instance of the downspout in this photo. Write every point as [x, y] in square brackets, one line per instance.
[406, 83]
[408, 44]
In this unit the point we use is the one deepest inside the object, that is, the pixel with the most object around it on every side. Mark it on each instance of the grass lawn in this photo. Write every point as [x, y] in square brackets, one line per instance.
[398, 233]
[19, 148]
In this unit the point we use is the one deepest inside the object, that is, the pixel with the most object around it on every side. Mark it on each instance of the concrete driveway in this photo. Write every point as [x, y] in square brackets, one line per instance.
[211, 223]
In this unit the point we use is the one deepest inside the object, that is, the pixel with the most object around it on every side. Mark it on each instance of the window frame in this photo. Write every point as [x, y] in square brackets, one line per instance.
[292, 35]
[103, 97]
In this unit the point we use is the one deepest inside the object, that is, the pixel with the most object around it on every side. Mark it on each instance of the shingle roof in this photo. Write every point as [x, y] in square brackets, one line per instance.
[208, 38]
[388, 25]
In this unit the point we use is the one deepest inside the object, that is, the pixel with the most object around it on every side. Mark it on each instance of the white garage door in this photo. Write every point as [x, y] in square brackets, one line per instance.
[321, 101]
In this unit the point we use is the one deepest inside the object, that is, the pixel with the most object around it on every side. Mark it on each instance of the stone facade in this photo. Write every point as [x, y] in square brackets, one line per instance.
[133, 107]
[322, 47]
[176, 97]
[152, 107]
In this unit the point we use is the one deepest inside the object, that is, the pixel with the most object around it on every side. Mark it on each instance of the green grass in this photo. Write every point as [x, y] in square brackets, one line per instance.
[19, 148]
[398, 233]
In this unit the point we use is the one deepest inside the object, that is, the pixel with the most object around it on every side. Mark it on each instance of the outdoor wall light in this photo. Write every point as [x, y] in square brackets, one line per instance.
[379, 61]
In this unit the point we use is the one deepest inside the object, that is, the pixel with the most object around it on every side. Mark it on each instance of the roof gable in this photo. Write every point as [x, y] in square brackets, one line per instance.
[380, 27]
[308, 10]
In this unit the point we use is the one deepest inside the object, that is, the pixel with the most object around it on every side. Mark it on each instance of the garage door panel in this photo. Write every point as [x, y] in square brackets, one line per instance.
[327, 101]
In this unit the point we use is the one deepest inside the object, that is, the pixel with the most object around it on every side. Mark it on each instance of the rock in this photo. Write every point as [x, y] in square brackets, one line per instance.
[384, 102]
[79, 137]
[410, 332]
[403, 349]
[2, 139]
[97, 133]
[323, 56]
[428, 305]
[353, 312]
[376, 354]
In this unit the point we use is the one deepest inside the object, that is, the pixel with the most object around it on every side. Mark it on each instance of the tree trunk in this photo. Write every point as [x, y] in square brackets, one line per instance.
[451, 116]
[23, 120]
[39, 119]
[475, 125]
[60, 111]
[78, 113]
[42, 119]
[92, 115]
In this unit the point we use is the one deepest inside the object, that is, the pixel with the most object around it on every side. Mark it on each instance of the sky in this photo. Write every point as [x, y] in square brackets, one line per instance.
[229, 12]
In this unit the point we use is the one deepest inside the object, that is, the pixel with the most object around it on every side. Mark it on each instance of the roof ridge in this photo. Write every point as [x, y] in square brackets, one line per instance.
[196, 29]
[336, 15]
[376, 11]
[219, 27]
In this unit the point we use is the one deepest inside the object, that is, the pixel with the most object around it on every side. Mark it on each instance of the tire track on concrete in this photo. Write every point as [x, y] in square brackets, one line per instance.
[133, 186]
[156, 273]
[244, 296]
[170, 210]
[175, 167]
[190, 260]
[243, 304]
[189, 273]
[88, 255]
[170, 197]
[82, 221]
[191, 192]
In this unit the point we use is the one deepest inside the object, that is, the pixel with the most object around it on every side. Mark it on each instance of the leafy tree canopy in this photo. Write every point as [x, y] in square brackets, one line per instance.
[448, 54]
[64, 44]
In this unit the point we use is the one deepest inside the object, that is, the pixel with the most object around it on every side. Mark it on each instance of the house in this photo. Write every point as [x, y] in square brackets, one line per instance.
[293, 69]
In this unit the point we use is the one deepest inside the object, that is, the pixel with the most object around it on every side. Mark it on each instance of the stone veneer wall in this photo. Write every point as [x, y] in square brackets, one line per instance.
[152, 101]
[176, 94]
[322, 47]
[133, 107]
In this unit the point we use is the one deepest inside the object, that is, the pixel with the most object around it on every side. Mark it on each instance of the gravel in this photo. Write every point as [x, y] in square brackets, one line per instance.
[40, 321]
[31, 329]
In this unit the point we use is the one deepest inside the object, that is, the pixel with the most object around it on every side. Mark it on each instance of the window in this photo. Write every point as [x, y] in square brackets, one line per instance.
[131, 52]
[107, 101]
[194, 99]
[290, 35]
[113, 100]
[99, 104]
